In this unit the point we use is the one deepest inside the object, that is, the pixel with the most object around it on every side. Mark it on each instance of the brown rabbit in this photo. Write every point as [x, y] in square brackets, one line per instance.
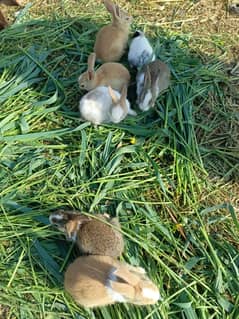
[3, 21]
[93, 235]
[111, 40]
[108, 74]
[95, 281]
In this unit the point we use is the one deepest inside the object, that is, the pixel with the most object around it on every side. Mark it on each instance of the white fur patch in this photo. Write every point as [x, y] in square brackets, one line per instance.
[140, 51]
[144, 105]
[117, 114]
[151, 294]
[56, 217]
[140, 83]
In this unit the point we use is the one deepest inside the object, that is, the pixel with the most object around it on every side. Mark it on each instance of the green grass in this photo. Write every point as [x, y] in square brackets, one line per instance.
[174, 188]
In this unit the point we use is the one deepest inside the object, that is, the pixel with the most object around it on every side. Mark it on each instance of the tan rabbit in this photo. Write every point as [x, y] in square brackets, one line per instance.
[93, 235]
[95, 281]
[3, 21]
[152, 79]
[111, 40]
[108, 74]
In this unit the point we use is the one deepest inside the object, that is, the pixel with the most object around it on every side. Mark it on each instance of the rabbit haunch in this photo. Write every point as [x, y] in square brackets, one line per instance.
[104, 105]
[140, 50]
[111, 40]
[95, 281]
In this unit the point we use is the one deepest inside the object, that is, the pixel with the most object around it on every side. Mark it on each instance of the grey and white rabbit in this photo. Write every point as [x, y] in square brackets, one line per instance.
[105, 105]
[140, 50]
[152, 79]
[95, 281]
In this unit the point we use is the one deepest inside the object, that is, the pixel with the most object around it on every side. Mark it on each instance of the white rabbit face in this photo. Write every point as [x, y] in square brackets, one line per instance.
[118, 114]
[146, 101]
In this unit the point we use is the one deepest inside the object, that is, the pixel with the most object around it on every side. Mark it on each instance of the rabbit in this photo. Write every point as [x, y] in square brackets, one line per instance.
[151, 80]
[113, 74]
[111, 40]
[3, 21]
[95, 281]
[105, 105]
[140, 51]
[94, 236]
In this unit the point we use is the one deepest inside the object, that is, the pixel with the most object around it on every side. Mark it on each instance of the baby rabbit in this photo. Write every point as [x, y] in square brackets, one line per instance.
[93, 236]
[111, 40]
[104, 105]
[95, 281]
[140, 51]
[113, 74]
[151, 80]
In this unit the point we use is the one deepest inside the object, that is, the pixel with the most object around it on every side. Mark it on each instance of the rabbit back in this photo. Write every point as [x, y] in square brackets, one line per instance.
[110, 44]
[85, 280]
[114, 74]
[97, 238]
[140, 51]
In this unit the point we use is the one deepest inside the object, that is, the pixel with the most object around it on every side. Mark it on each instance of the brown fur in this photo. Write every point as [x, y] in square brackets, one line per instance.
[109, 74]
[93, 280]
[111, 40]
[3, 21]
[93, 235]
[10, 2]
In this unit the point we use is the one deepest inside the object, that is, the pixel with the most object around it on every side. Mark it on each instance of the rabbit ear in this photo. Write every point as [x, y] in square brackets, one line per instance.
[147, 78]
[112, 8]
[123, 274]
[91, 65]
[123, 94]
[123, 289]
[113, 96]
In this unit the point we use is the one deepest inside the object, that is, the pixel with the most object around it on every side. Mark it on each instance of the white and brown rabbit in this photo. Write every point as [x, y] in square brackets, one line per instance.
[111, 40]
[140, 50]
[95, 281]
[112, 73]
[152, 79]
[96, 235]
[105, 105]
[3, 21]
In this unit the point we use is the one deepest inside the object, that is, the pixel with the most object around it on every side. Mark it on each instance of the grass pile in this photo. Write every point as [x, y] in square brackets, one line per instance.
[170, 174]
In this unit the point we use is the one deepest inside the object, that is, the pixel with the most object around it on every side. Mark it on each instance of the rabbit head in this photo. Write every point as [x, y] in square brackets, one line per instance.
[87, 79]
[119, 16]
[133, 285]
[68, 222]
